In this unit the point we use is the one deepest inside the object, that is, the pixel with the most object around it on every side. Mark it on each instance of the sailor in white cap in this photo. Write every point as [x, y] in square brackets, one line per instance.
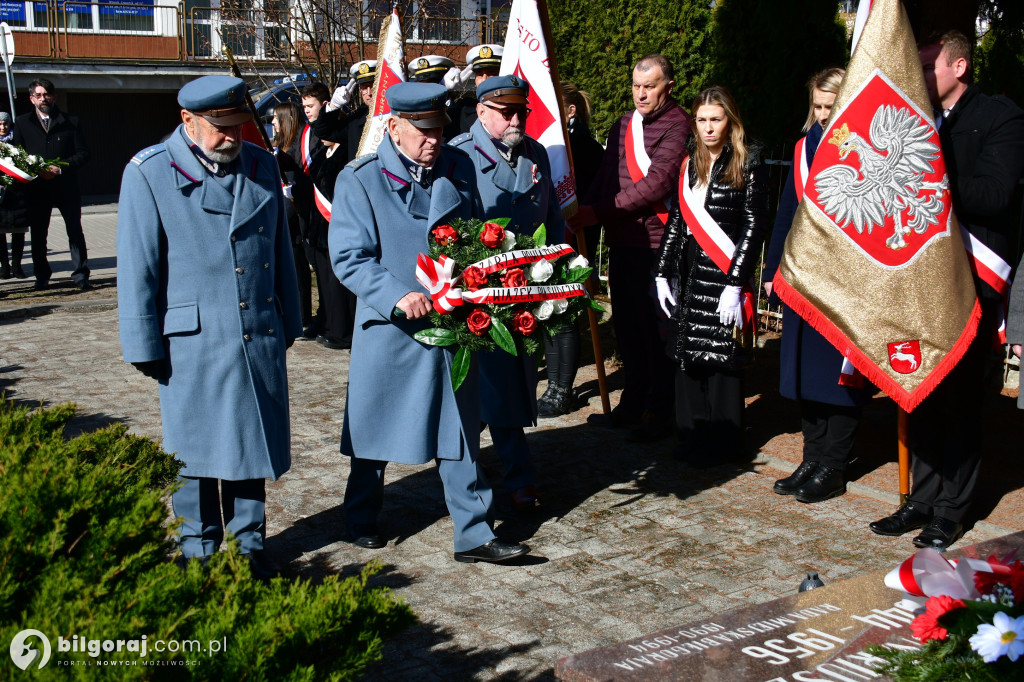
[482, 62]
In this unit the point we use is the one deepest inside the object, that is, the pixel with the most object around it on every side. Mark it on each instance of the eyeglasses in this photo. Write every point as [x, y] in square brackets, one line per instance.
[41, 95]
[508, 112]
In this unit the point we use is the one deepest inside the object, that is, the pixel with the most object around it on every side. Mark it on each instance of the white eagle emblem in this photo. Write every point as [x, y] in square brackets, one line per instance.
[889, 184]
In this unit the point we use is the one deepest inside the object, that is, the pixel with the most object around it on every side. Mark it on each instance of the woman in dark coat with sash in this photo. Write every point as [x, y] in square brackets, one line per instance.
[811, 369]
[13, 215]
[711, 246]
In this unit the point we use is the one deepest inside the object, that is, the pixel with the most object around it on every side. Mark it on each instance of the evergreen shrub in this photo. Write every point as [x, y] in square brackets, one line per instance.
[85, 553]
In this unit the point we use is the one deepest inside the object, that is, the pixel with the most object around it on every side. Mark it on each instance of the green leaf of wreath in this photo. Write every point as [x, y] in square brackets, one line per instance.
[435, 336]
[578, 275]
[596, 305]
[499, 221]
[501, 336]
[540, 236]
[460, 367]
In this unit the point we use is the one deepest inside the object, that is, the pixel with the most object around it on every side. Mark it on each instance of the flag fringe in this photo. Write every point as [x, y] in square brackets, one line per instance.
[906, 400]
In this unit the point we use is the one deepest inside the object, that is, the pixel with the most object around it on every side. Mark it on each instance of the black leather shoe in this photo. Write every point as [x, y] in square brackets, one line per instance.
[939, 534]
[906, 518]
[261, 566]
[5, 271]
[18, 272]
[493, 552]
[788, 485]
[41, 285]
[333, 344]
[83, 285]
[824, 484]
[367, 537]
[617, 419]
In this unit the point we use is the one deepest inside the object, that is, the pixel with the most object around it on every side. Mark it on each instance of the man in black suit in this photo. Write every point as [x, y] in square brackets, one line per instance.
[983, 143]
[48, 132]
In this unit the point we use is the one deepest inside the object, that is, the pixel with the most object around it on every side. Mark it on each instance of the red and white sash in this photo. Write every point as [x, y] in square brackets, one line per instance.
[322, 203]
[638, 163]
[800, 168]
[15, 172]
[304, 147]
[990, 268]
[711, 237]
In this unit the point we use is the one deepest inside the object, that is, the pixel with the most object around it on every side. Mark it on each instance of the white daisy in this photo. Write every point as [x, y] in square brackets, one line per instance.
[1004, 637]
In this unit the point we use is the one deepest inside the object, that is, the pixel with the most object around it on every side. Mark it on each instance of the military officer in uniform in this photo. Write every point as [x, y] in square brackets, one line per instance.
[482, 62]
[351, 116]
[207, 304]
[430, 68]
[401, 406]
[513, 176]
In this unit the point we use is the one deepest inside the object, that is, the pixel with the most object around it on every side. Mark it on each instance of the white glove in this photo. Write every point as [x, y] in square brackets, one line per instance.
[287, 190]
[665, 297]
[342, 95]
[729, 310]
[452, 78]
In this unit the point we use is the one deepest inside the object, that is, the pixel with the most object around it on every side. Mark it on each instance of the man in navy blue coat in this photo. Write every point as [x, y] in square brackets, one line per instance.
[513, 176]
[401, 406]
[207, 303]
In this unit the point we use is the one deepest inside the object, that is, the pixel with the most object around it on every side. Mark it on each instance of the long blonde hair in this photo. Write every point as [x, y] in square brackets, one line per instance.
[720, 95]
[826, 81]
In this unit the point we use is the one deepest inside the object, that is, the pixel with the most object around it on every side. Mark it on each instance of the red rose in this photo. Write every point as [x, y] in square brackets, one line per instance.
[445, 235]
[1006, 572]
[524, 322]
[926, 626]
[474, 278]
[492, 235]
[514, 278]
[478, 322]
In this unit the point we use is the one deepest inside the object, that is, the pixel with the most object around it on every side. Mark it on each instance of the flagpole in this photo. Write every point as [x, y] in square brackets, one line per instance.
[581, 241]
[904, 455]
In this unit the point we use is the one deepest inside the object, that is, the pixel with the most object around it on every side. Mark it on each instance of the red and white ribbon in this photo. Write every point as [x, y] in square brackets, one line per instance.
[929, 574]
[436, 277]
[800, 168]
[323, 204]
[15, 172]
[990, 268]
[711, 237]
[304, 145]
[513, 259]
[848, 374]
[638, 163]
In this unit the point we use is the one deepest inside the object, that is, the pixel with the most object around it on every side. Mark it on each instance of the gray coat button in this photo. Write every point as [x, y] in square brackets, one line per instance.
[240, 271]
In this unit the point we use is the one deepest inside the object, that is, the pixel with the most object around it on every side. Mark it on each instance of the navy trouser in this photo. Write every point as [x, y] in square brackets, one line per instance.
[466, 492]
[510, 444]
[208, 506]
[39, 226]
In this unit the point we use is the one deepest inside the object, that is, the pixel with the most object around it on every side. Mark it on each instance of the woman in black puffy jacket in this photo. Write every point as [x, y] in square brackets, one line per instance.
[708, 255]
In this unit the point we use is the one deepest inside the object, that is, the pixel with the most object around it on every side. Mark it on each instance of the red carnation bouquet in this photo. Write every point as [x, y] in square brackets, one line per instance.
[970, 619]
[494, 289]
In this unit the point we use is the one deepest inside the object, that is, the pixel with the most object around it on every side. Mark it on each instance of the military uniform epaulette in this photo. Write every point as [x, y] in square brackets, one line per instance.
[148, 153]
[453, 149]
[459, 139]
[360, 161]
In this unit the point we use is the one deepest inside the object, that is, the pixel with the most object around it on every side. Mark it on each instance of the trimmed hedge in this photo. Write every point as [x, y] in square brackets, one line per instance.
[85, 553]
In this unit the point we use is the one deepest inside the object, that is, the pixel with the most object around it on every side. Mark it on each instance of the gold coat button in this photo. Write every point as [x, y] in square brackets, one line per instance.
[270, 331]
[259, 229]
[240, 271]
[266, 266]
[243, 305]
[247, 337]
[270, 299]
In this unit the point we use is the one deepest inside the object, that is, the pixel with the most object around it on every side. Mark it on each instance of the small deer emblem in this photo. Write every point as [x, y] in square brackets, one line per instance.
[898, 354]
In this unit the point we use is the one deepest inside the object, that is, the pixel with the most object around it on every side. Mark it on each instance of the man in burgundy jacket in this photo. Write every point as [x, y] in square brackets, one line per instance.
[631, 195]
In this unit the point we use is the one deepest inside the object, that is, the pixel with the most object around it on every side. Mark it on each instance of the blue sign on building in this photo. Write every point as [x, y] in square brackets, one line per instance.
[128, 8]
[11, 11]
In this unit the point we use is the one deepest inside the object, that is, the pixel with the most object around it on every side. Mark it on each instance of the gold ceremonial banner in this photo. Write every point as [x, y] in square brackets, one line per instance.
[874, 260]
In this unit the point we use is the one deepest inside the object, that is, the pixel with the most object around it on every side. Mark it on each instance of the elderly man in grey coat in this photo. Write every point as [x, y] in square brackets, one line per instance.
[208, 304]
[513, 175]
[401, 406]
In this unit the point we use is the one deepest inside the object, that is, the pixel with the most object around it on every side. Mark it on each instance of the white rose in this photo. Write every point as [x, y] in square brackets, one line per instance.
[33, 159]
[510, 241]
[561, 305]
[579, 262]
[544, 310]
[541, 271]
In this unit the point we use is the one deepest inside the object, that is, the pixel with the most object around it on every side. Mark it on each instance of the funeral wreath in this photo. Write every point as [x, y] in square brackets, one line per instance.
[970, 619]
[492, 289]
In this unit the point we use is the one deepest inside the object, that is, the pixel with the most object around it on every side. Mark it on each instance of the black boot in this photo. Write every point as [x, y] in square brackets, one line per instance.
[560, 401]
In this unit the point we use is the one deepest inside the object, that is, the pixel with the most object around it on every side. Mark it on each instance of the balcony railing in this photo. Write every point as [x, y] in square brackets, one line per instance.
[143, 30]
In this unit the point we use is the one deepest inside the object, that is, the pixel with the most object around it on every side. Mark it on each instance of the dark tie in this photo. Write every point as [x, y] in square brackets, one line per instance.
[46, 123]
